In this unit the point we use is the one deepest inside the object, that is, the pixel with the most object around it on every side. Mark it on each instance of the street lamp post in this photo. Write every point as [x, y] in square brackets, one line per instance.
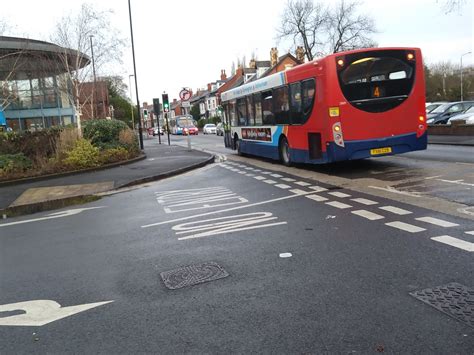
[461, 74]
[93, 71]
[131, 100]
[140, 132]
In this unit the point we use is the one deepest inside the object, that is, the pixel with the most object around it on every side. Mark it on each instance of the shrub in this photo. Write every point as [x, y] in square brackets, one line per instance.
[113, 155]
[83, 155]
[14, 163]
[128, 139]
[66, 141]
[104, 133]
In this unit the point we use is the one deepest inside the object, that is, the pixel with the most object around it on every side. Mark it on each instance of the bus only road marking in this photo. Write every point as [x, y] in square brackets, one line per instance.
[225, 225]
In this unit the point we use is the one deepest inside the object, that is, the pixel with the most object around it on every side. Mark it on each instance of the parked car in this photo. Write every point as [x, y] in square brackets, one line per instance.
[220, 129]
[430, 106]
[209, 128]
[157, 131]
[467, 116]
[443, 113]
[191, 130]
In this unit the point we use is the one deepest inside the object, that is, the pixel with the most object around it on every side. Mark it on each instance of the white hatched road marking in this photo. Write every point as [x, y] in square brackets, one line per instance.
[298, 192]
[259, 177]
[318, 188]
[470, 232]
[367, 214]
[437, 222]
[317, 198]
[339, 194]
[251, 175]
[249, 168]
[283, 186]
[302, 183]
[288, 179]
[276, 175]
[270, 181]
[242, 172]
[364, 201]
[396, 210]
[339, 205]
[455, 242]
[405, 227]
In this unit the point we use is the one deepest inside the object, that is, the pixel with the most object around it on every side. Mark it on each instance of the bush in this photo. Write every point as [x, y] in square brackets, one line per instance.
[66, 141]
[129, 140]
[114, 155]
[14, 163]
[83, 155]
[104, 133]
[35, 146]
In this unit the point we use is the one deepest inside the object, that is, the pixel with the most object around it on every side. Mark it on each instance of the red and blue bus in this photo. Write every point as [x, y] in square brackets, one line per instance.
[347, 106]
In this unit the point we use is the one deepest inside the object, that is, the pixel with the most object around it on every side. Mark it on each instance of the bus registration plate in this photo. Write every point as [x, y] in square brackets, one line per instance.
[379, 151]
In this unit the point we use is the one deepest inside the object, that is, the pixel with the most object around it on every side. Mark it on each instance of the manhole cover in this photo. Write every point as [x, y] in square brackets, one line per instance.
[453, 299]
[192, 275]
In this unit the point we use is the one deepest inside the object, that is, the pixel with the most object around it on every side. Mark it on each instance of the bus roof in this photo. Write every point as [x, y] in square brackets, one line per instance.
[262, 84]
[279, 79]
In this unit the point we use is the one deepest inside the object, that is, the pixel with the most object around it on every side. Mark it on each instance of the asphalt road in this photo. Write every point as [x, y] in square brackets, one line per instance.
[442, 171]
[311, 269]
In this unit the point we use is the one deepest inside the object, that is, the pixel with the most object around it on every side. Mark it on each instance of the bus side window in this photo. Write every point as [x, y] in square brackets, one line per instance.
[242, 112]
[257, 99]
[296, 106]
[232, 116]
[267, 108]
[251, 119]
[281, 107]
[308, 97]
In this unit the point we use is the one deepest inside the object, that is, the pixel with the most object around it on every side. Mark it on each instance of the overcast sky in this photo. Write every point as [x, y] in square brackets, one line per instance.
[186, 43]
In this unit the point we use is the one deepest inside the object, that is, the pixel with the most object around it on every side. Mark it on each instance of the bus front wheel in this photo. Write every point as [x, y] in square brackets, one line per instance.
[284, 149]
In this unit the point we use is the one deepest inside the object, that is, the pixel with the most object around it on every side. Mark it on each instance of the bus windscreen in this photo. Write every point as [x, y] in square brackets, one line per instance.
[376, 81]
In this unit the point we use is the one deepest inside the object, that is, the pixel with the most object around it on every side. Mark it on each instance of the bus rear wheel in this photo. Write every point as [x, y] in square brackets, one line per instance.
[284, 149]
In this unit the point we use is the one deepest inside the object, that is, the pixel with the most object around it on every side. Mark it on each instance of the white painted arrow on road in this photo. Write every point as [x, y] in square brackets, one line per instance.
[52, 215]
[41, 312]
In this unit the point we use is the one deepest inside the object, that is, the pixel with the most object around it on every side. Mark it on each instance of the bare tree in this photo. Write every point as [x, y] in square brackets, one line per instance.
[349, 30]
[304, 22]
[449, 6]
[89, 27]
[321, 30]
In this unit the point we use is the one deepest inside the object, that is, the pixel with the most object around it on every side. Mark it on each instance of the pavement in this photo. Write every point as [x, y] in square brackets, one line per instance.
[161, 161]
[451, 140]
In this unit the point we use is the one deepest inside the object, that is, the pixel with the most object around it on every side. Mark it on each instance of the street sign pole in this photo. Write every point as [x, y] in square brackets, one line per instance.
[156, 109]
[185, 95]
[167, 127]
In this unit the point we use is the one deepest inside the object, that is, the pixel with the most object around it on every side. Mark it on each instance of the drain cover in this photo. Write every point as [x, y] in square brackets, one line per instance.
[192, 275]
[453, 299]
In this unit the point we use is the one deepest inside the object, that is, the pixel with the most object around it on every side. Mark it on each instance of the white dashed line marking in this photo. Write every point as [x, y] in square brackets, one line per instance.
[367, 214]
[266, 172]
[288, 179]
[283, 186]
[302, 183]
[364, 201]
[318, 188]
[242, 172]
[270, 181]
[396, 210]
[339, 205]
[276, 175]
[286, 255]
[298, 192]
[339, 194]
[251, 175]
[405, 227]
[317, 198]
[259, 177]
[470, 232]
[247, 168]
[455, 242]
[437, 222]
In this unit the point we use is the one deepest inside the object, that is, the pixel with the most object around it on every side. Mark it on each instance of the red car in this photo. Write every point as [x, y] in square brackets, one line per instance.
[191, 130]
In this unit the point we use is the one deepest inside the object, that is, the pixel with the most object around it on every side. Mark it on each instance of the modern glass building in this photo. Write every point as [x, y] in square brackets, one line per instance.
[36, 90]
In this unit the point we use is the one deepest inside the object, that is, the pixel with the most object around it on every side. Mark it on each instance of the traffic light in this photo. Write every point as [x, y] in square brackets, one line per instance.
[156, 106]
[145, 113]
[166, 104]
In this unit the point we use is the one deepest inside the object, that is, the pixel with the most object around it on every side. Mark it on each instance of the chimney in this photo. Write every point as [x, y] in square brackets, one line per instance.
[209, 87]
[223, 75]
[175, 100]
[273, 56]
[253, 64]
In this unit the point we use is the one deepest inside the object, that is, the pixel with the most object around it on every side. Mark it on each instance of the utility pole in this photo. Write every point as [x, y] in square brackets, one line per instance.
[131, 100]
[140, 132]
